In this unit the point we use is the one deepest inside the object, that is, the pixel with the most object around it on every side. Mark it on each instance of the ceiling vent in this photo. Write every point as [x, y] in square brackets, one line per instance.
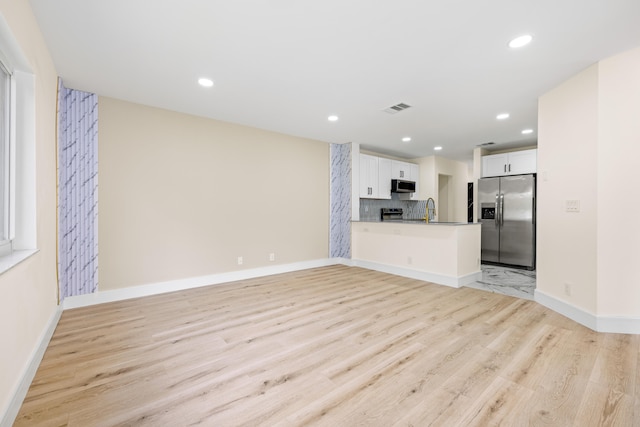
[484, 144]
[396, 108]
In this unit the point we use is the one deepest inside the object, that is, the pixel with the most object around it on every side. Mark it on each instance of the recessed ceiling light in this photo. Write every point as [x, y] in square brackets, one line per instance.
[438, 148]
[527, 131]
[406, 139]
[332, 118]
[502, 116]
[204, 82]
[520, 41]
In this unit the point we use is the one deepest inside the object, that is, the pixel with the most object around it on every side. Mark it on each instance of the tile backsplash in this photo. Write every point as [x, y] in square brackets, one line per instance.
[412, 209]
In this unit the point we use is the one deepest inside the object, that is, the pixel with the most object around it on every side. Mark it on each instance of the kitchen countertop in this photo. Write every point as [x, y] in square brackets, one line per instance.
[416, 222]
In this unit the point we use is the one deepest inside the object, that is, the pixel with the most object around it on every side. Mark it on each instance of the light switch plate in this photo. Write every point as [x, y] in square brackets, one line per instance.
[572, 205]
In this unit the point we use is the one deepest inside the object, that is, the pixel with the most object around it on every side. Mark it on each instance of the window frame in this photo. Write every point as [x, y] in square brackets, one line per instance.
[21, 202]
[7, 159]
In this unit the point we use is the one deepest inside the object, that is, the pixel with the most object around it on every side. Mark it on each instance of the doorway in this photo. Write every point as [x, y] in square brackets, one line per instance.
[445, 209]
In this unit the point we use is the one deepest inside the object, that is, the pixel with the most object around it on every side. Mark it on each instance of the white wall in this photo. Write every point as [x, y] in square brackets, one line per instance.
[567, 170]
[184, 196]
[29, 290]
[618, 232]
[428, 178]
[433, 166]
[588, 150]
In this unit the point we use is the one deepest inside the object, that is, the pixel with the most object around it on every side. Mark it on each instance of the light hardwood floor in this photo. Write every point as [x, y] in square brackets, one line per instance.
[334, 346]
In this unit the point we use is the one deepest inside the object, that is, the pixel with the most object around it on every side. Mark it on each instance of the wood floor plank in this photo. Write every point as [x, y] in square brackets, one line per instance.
[331, 346]
[502, 403]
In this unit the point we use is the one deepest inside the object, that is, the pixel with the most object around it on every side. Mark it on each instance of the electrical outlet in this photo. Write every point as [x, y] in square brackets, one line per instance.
[272, 256]
[567, 289]
[240, 260]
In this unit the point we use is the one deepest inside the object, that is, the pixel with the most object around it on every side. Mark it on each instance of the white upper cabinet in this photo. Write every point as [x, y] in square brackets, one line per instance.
[415, 176]
[514, 163]
[407, 172]
[384, 178]
[375, 177]
[376, 174]
[368, 176]
[401, 170]
[525, 161]
[494, 165]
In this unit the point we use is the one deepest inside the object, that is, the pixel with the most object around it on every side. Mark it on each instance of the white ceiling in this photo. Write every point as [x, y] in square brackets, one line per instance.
[286, 65]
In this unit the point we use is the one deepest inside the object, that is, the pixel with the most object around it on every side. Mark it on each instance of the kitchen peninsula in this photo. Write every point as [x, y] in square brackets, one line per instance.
[443, 253]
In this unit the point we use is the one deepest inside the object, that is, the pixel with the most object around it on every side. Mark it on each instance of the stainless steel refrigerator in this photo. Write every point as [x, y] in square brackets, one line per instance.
[507, 212]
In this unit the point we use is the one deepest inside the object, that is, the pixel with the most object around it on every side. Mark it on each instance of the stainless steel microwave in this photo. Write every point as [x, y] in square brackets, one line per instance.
[402, 186]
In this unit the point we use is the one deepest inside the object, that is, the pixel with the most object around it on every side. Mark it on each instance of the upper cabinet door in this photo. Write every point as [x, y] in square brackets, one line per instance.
[400, 170]
[368, 176]
[494, 165]
[521, 162]
[384, 178]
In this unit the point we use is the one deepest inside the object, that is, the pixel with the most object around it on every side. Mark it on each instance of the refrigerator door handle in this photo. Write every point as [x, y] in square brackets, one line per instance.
[533, 210]
[501, 209]
[497, 211]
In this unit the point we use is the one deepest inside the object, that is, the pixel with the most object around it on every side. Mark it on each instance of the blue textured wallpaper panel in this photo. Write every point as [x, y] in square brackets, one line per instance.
[77, 192]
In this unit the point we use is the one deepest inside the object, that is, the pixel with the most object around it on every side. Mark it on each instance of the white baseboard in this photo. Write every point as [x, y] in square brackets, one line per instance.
[454, 282]
[567, 310]
[344, 261]
[11, 411]
[101, 297]
[617, 325]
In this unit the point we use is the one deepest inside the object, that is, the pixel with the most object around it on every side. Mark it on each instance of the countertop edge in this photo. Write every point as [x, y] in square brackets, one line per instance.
[420, 223]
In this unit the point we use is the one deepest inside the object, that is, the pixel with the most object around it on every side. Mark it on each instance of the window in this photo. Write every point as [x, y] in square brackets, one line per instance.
[18, 238]
[6, 165]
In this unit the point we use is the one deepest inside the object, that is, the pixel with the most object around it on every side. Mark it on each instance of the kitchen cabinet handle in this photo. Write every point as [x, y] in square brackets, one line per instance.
[509, 167]
[505, 168]
[533, 210]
